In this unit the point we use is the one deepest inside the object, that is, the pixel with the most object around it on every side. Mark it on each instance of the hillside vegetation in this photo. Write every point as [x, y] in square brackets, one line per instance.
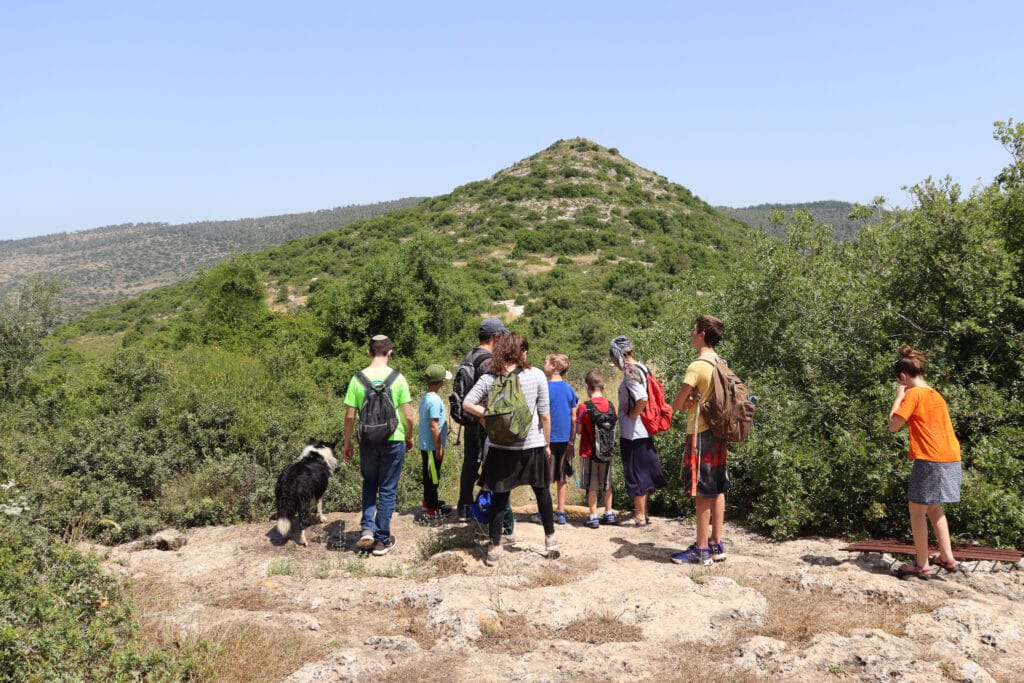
[843, 217]
[118, 261]
[211, 385]
[180, 406]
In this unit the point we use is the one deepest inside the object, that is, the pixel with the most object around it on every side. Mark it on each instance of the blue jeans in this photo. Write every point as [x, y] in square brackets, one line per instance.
[381, 468]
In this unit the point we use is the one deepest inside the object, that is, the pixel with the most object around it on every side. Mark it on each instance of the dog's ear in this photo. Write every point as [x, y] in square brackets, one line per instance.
[329, 444]
[313, 442]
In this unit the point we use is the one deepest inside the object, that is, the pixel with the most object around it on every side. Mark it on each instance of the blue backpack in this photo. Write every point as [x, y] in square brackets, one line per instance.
[480, 509]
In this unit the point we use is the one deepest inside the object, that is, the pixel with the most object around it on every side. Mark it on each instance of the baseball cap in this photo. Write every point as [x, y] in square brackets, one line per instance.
[436, 373]
[492, 326]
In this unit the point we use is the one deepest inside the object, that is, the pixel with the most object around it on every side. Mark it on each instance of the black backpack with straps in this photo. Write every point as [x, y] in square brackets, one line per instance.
[465, 377]
[603, 424]
[377, 417]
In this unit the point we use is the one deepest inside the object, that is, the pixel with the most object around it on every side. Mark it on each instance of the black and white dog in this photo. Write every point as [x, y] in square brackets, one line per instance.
[302, 485]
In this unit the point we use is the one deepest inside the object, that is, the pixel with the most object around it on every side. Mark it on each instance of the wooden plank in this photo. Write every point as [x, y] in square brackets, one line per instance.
[960, 552]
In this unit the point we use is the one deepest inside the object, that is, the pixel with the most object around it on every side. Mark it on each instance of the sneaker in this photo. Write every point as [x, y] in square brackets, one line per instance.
[494, 556]
[463, 514]
[609, 518]
[693, 555]
[431, 513]
[592, 522]
[508, 539]
[559, 516]
[551, 543]
[718, 551]
[384, 547]
[365, 541]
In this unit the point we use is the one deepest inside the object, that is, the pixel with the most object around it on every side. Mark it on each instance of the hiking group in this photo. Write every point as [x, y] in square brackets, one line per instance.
[520, 425]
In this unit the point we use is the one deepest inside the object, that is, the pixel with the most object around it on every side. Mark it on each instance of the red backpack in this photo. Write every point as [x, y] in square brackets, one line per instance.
[657, 415]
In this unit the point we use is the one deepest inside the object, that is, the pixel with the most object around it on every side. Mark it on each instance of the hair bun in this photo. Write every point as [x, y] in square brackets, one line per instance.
[908, 351]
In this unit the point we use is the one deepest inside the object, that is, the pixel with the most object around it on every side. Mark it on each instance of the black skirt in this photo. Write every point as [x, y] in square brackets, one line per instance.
[506, 469]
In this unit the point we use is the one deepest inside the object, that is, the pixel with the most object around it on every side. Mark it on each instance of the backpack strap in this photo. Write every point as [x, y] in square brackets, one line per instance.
[481, 356]
[364, 380]
[367, 384]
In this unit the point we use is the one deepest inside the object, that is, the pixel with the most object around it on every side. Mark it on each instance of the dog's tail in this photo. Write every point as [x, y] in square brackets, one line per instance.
[284, 526]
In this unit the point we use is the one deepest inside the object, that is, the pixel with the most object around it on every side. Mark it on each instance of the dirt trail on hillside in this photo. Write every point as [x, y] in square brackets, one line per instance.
[611, 607]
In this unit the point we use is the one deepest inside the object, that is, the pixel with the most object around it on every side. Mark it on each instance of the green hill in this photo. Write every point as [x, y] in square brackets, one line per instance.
[118, 261]
[574, 228]
[832, 213]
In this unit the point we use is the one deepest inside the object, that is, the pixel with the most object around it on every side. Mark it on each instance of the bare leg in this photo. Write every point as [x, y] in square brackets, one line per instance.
[640, 506]
[607, 501]
[938, 517]
[717, 518]
[919, 527]
[592, 501]
[704, 508]
[560, 488]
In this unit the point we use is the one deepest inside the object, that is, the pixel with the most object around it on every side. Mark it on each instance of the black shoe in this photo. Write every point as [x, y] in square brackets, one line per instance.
[384, 547]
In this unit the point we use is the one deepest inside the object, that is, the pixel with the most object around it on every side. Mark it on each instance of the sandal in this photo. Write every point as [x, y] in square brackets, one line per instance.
[915, 570]
[937, 560]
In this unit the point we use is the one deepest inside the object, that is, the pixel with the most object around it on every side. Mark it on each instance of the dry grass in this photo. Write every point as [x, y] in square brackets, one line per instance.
[442, 669]
[447, 565]
[551, 574]
[511, 634]
[248, 599]
[249, 652]
[601, 627]
[796, 616]
[396, 620]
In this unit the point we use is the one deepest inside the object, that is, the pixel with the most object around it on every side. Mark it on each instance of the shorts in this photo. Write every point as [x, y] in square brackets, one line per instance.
[932, 483]
[595, 476]
[712, 474]
[561, 468]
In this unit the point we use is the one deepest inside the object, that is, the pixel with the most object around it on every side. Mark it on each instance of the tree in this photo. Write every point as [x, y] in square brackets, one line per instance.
[25, 319]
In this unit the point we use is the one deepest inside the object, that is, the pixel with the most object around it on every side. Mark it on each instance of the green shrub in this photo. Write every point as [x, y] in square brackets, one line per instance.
[64, 619]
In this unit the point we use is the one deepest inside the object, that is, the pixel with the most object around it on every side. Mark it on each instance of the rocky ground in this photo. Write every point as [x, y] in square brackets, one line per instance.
[612, 607]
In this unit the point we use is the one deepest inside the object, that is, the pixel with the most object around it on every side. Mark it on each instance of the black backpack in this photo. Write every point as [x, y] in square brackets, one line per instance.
[377, 417]
[466, 376]
[604, 431]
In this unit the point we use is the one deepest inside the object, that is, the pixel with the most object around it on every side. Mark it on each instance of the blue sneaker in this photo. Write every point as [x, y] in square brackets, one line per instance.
[693, 555]
[718, 551]
[609, 518]
[559, 517]
[593, 522]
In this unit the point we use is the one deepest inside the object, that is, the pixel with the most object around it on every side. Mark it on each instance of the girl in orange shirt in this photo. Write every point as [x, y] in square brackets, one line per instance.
[935, 477]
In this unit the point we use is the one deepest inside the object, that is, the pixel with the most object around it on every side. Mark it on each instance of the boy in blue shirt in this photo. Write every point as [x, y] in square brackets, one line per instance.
[433, 435]
[563, 426]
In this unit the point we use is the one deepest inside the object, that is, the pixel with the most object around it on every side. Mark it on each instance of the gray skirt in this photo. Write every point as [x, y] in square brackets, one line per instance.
[934, 482]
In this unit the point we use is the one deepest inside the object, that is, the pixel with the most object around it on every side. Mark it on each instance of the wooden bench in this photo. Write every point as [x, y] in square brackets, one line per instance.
[960, 552]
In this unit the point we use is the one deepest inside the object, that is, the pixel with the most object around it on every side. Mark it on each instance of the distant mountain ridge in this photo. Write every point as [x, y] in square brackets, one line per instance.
[830, 212]
[104, 264]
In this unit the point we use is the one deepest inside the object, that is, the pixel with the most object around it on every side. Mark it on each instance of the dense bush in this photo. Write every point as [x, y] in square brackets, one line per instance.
[63, 619]
[813, 326]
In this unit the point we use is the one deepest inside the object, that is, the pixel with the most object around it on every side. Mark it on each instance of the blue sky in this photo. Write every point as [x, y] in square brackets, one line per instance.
[187, 111]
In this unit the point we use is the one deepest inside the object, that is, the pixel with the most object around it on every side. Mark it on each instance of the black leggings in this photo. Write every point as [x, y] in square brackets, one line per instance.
[499, 501]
